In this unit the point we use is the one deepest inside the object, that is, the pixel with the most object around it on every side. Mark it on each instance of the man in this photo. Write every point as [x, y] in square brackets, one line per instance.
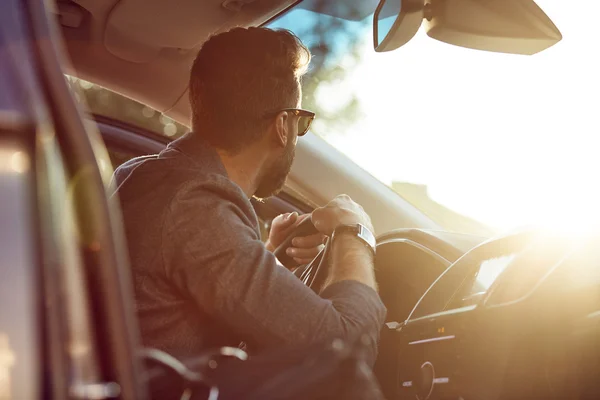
[202, 276]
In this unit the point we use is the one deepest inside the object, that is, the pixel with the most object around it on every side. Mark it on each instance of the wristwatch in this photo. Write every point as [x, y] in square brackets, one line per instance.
[358, 230]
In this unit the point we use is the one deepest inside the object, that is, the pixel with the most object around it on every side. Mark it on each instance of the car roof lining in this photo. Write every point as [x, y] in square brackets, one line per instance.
[143, 49]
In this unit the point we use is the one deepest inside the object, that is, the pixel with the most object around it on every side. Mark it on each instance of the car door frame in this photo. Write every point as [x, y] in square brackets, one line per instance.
[106, 280]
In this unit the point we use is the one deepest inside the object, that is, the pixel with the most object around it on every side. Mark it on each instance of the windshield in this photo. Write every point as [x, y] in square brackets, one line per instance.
[478, 141]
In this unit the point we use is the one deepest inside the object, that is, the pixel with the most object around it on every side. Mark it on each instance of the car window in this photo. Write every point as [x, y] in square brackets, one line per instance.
[19, 319]
[101, 101]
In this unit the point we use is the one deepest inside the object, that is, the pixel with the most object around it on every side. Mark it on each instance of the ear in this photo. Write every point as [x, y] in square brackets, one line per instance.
[281, 127]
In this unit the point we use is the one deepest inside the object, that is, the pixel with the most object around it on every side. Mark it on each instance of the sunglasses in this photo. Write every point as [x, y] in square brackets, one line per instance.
[305, 118]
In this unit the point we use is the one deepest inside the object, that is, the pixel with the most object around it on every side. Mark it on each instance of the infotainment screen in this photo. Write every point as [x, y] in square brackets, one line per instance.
[467, 281]
[477, 282]
[487, 273]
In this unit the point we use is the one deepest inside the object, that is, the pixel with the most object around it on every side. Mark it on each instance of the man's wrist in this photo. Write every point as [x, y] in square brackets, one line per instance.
[352, 260]
[269, 246]
[359, 231]
[351, 246]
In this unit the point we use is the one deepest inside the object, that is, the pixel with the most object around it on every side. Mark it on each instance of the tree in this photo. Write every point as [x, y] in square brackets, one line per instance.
[334, 32]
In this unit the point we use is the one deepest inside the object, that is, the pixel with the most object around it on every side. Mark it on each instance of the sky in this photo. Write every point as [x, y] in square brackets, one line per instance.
[508, 140]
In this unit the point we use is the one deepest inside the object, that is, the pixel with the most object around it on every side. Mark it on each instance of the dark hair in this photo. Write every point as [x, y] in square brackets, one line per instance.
[239, 76]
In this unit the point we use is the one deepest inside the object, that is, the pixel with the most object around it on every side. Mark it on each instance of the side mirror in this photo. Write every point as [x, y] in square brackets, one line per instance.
[395, 22]
[503, 26]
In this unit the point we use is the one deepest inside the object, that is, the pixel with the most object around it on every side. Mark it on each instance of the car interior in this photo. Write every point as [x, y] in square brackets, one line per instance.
[470, 315]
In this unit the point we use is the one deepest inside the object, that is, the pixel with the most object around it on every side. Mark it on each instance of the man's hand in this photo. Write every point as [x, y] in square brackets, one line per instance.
[351, 260]
[303, 249]
[340, 211]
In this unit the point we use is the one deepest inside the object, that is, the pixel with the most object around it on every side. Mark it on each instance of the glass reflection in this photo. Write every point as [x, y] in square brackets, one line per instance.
[386, 18]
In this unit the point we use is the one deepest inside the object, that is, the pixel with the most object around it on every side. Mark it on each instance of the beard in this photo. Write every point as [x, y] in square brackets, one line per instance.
[274, 177]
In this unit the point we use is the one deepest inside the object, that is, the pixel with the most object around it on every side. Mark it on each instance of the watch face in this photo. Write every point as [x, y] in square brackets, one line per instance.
[366, 235]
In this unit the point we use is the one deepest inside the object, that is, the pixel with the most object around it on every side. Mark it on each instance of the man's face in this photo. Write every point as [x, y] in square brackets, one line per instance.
[274, 177]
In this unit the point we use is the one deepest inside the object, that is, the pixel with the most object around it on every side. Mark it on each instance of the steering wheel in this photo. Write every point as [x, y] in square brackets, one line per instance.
[314, 273]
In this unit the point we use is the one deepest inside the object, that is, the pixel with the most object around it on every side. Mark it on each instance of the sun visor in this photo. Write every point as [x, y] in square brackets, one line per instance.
[137, 30]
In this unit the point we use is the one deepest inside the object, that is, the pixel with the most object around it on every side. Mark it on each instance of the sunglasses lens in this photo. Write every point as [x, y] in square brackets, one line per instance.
[304, 124]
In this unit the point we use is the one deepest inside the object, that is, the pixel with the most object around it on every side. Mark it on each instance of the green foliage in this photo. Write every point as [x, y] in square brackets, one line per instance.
[335, 45]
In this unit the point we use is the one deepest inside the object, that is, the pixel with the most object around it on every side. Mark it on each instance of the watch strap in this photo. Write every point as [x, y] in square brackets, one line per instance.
[360, 231]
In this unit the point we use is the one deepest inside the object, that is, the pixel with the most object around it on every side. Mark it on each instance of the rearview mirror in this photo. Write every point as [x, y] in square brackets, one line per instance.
[504, 26]
[395, 22]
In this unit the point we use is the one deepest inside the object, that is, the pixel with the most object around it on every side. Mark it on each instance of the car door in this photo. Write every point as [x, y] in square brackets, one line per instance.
[67, 329]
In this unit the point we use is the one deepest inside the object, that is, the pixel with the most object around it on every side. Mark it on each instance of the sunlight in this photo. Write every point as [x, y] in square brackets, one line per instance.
[490, 270]
[508, 140]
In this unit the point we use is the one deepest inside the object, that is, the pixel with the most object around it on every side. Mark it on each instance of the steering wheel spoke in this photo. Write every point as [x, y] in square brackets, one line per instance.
[314, 273]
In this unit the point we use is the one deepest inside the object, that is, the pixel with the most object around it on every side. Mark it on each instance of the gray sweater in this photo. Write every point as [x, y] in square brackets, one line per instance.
[203, 277]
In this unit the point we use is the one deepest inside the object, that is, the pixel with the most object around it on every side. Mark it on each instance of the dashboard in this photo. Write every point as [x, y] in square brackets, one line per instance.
[408, 261]
[515, 317]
